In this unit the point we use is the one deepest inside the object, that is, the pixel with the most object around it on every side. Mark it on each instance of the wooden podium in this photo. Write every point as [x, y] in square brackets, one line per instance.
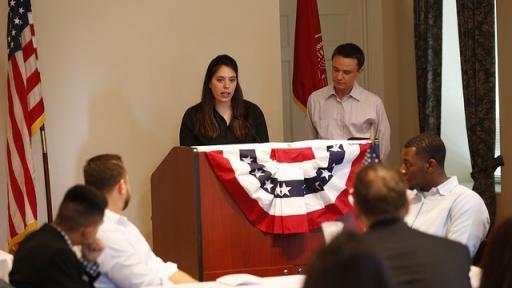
[197, 225]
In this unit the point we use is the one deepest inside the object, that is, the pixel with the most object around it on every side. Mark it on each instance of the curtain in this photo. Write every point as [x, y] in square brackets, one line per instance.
[428, 18]
[477, 55]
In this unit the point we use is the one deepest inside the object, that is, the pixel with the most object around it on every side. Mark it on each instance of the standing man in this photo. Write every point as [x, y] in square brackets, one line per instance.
[46, 257]
[128, 260]
[439, 205]
[416, 259]
[344, 109]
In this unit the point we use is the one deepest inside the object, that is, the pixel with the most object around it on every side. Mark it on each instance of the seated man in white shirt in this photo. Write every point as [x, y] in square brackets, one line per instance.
[127, 260]
[439, 205]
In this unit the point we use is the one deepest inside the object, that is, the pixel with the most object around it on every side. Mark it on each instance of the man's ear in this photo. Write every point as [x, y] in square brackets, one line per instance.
[431, 164]
[86, 231]
[121, 186]
[359, 216]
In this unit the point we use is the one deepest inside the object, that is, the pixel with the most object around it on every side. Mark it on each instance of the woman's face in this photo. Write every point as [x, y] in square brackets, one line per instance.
[223, 84]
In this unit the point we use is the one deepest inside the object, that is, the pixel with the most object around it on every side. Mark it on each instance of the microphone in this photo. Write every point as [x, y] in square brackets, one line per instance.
[375, 145]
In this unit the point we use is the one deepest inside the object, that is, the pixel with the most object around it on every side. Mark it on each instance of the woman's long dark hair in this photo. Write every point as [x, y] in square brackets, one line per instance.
[497, 259]
[207, 125]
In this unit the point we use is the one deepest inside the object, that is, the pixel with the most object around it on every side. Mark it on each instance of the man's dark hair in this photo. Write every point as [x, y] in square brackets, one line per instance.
[104, 171]
[380, 192]
[428, 146]
[350, 50]
[348, 261]
[82, 206]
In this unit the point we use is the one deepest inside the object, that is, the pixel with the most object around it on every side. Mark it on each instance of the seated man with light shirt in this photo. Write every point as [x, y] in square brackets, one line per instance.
[439, 205]
[127, 260]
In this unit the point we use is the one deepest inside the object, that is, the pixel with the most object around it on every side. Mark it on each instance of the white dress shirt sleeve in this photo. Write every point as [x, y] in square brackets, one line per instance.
[383, 131]
[310, 132]
[128, 261]
[468, 221]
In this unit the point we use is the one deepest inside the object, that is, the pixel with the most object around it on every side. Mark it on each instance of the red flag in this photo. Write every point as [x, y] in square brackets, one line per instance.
[26, 115]
[309, 72]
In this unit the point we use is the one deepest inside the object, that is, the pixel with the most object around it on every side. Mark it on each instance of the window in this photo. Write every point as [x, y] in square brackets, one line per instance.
[453, 123]
[497, 173]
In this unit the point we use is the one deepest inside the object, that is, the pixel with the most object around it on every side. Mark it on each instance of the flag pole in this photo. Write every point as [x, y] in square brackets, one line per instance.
[46, 175]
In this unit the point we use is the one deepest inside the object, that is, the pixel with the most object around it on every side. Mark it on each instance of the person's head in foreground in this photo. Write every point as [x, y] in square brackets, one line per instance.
[347, 261]
[379, 193]
[81, 213]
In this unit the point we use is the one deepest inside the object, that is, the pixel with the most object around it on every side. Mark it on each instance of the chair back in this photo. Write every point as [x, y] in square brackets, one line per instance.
[5, 265]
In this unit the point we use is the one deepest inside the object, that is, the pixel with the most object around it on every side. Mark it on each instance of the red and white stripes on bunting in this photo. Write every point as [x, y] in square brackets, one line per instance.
[25, 117]
[289, 188]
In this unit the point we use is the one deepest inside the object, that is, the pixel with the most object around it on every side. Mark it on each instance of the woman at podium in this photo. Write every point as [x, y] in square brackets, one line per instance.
[222, 116]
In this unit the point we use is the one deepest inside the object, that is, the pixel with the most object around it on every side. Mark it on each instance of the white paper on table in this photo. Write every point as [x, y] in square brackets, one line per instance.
[330, 229]
[239, 279]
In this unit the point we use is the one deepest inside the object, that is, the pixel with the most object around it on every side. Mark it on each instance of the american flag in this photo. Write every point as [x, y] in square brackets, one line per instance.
[289, 187]
[26, 116]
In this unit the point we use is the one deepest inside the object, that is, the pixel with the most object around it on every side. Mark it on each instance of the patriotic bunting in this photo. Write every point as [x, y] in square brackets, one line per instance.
[290, 188]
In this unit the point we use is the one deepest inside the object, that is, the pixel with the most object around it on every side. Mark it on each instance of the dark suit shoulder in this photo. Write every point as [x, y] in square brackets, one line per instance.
[44, 259]
[47, 234]
[400, 236]
[417, 259]
[438, 241]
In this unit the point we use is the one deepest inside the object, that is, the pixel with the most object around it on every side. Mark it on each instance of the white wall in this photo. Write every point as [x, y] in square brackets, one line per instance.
[399, 74]
[118, 74]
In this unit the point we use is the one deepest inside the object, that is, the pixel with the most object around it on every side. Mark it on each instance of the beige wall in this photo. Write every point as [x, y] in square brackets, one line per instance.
[117, 76]
[399, 74]
[504, 10]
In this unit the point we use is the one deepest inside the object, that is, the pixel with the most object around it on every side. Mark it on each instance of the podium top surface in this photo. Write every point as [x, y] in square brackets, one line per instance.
[270, 145]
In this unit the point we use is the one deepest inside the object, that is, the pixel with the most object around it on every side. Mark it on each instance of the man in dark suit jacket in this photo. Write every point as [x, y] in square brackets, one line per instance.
[416, 259]
[45, 258]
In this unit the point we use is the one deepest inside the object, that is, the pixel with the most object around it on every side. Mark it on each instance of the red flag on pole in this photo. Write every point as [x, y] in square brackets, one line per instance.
[26, 115]
[309, 72]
